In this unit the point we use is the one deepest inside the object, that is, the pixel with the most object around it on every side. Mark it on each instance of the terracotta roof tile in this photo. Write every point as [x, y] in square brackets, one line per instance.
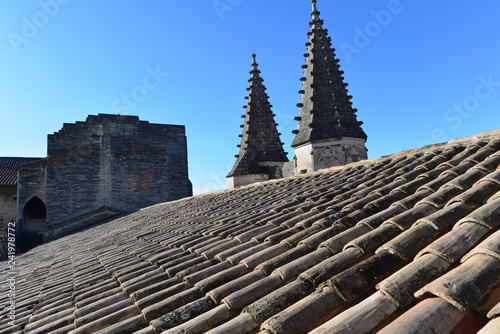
[431, 315]
[487, 215]
[495, 311]
[322, 235]
[408, 243]
[455, 244]
[243, 254]
[337, 243]
[302, 315]
[331, 266]
[361, 318]
[491, 327]
[214, 281]
[466, 285]
[401, 286]
[219, 293]
[448, 215]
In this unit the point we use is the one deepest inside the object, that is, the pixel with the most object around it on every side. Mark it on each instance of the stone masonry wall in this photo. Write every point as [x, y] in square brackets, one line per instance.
[8, 196]
[7, 214]
[31, 182]
[114, 161]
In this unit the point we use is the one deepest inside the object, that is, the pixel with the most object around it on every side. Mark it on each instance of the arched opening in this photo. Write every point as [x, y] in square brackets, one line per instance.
[35, 217]
[35, 210]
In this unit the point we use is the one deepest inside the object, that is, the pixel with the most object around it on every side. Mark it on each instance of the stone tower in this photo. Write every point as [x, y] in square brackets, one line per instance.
[261, 155]
[114, 161]
[328, 133]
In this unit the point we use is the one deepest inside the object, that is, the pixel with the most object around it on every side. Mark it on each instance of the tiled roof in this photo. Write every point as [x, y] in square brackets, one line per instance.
[8, 172]
[401, 244]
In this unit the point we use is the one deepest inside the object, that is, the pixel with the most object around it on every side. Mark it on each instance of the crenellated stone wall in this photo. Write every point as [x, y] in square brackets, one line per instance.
[114, 161]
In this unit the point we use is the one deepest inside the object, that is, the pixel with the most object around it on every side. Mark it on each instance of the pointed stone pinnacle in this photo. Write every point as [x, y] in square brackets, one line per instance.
[325, 99]
[315, 13]
[260, 141]
[255, 70]
[315, 9]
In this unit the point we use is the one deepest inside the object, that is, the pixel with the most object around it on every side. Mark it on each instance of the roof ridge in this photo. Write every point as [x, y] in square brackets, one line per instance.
[491, 134]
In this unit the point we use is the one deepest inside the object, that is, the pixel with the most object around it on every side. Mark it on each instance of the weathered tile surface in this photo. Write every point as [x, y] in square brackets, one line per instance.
[375, 246]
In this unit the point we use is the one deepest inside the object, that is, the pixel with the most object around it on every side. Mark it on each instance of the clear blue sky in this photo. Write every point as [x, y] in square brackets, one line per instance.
[420, 71]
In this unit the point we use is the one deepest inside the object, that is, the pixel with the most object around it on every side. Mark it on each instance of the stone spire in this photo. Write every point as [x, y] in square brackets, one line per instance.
[261, 153]
[326, 111]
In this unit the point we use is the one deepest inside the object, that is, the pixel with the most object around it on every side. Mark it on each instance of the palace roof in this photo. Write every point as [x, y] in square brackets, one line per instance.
[404, 243]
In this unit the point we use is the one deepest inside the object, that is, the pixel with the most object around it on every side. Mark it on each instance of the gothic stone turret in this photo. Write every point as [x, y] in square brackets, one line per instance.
[328, 133]
[261, 155]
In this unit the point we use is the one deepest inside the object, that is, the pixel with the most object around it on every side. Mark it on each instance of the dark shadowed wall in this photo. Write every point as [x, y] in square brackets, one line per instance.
[115, 161]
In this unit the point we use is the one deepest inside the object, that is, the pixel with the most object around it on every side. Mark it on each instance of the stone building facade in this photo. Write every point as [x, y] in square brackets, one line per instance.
[9, 195]
[31, 201]
[97, 168]
[114, 161]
